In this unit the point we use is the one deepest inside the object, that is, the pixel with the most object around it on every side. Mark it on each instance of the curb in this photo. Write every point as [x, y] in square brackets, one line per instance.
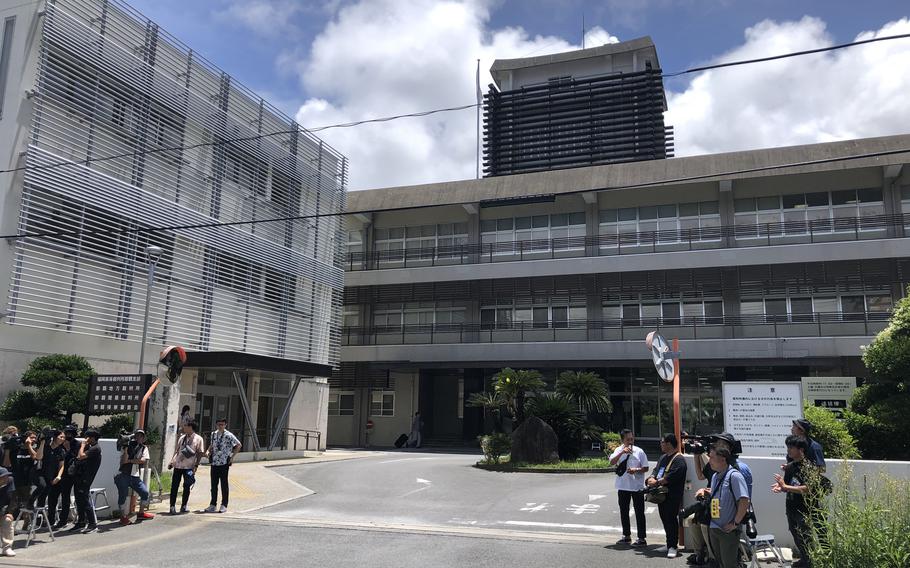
[509, 469]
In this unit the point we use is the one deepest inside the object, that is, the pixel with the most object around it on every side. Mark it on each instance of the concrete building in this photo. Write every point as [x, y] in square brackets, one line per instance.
[763, 269]
[112, 127]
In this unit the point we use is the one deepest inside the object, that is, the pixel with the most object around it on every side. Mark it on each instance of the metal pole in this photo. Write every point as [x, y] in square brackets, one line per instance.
[153, 253]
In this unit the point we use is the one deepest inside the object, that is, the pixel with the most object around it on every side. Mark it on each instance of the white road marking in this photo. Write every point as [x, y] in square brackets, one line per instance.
[595, 497]
[423, 480]
[595, 528]
[582, 509]
[535, 507]
[426, 483]
[406, 459]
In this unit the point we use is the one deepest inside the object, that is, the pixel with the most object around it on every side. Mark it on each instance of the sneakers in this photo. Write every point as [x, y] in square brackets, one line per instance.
[76, 528]
[184, 510]
[210, 509]
[661, 549]
[627, 540]
[145, 515]
[640, 542]
[173, 511]
[7, 552]
[91, 529]
[223, 509]
[695, 560]
[125, 521]
[672, 553]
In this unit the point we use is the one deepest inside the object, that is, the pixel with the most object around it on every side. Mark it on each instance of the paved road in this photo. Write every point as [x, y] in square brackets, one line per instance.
[416, 489]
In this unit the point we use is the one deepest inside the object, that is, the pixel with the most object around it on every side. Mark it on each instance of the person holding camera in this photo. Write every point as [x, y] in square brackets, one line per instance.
[25, 472]
[796, 483]
[729, 506]
[83, 471]
[134, 455]
[631, 464]
[7, 491]
[670, 474]
[703, 472]
[10, 441]
[222, 449]
[190, 449]
[50, 473]
[63, 490]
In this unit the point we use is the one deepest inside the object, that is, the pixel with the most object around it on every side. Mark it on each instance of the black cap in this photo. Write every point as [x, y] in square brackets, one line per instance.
[91, 433]
[726, 437]
[139, 431]
[804, 424]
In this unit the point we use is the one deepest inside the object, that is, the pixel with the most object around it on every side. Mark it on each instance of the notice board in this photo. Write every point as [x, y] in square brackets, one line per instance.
[760, 414]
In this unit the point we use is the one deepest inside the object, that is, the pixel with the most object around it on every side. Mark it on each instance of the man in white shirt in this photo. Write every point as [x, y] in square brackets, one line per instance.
[222, 450]
[629, 486]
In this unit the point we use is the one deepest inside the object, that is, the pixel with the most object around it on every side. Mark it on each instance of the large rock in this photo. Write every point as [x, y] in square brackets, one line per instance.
[534, 442]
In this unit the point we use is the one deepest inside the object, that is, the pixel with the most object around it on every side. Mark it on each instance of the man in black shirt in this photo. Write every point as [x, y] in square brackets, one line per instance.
[670, 472]
[51, 473]
[795, 483]
[64, 489]
[87, 463]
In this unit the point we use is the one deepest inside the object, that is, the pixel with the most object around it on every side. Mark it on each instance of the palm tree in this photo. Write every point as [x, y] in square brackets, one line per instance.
[514, 386]
[490, 401]
[586, 389]
[566, 420]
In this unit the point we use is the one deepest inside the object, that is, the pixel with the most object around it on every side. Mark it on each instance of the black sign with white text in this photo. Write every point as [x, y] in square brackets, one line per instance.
[114, 394]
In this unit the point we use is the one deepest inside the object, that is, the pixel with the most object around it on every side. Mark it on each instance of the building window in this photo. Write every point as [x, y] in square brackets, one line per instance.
[661, 223]
[537, 233]
[418, 313]
[557, 313]
[341, 403]
[6, 48]
[382, 403]
[674, 312]
[355, 242]
[794, 214]
[802, 309]
[440, 241]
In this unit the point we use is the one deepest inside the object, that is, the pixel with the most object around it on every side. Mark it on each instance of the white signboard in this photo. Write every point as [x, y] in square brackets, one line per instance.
[833, 393]
[760, 414]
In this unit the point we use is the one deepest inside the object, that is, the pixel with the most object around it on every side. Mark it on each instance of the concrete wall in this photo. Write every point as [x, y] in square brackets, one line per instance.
[309, 412]
[350, 430]
[769, 507]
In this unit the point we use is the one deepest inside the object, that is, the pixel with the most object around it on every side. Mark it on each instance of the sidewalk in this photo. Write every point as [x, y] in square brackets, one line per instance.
[255, 485]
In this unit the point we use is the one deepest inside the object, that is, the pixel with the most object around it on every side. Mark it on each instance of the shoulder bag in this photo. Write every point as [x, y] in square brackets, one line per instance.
[622, 466]
[658, 495]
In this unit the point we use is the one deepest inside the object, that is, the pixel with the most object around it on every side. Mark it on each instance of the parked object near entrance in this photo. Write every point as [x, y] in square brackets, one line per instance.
[534, 442]
[401, 441]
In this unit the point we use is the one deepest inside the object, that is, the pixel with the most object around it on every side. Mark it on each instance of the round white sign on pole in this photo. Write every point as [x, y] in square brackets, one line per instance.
[666, 366]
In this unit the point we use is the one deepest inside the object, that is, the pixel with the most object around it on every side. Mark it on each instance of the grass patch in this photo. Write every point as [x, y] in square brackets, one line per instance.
[166, 478]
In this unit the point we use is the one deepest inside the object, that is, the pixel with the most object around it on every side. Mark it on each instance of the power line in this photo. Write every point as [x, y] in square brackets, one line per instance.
[416, 114]
[684, 179]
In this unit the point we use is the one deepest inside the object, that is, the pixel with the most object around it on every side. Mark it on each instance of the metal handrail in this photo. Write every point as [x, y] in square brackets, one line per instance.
[593, 328]
[641, 242]
[292, 437]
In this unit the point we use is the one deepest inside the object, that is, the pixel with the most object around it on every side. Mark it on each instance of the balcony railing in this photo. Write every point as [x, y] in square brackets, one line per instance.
[816, 324]
[702, 238]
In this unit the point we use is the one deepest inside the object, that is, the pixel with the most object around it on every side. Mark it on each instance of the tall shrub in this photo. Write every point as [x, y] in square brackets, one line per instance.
[831, 433]
[515, 386]
[56, 388]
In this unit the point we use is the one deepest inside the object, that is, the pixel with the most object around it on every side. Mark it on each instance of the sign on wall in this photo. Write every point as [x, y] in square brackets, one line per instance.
[114, 394]
[760, 414]
[833, 393]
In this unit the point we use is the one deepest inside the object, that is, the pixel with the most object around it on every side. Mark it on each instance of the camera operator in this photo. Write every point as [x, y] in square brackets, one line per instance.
[11, 442]
[50, 473]
[795, 484]
[25, 472]
[88, 460]
[7, 489]
[729, 507]
[190, 449]
[133, 457]
[671, 473]
[629, 486]
[63, 490]
[704, 472]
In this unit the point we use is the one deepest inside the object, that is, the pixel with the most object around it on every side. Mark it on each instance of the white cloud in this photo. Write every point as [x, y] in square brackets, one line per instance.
[384, 57]
[267, 18]
[851, 93]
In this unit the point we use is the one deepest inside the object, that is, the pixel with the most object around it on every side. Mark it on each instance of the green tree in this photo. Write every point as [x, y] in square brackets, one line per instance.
[566, 420]
[515, 386]
[56, 388]
[878, 419]
[831, 433]
[585, 389]
[492, 402]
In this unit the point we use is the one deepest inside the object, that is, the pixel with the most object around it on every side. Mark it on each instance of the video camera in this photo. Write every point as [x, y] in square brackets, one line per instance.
[12, 442]
[699, 509]
[699, 444]
[126, 439]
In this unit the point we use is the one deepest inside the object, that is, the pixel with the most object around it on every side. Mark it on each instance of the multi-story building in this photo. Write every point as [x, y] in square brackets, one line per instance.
[770, 264]
[113, 128]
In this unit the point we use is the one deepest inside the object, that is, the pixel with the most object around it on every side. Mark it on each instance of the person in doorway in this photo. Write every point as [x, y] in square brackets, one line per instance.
[670, 473]
[815, 454]
[415, 439]
[190, 449]
[223, 448]
[629, 486]
[729, 505]
[133, 458]
[88, 461]
[795, 483]
[7, 488]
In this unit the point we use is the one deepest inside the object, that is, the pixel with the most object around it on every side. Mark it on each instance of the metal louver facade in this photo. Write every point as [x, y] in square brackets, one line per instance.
[111, 83]
[574, 122]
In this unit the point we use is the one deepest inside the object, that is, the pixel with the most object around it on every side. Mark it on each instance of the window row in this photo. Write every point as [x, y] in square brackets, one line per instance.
[672, 313]
[819, 211]
[878, 306]
[341, 403]
[421, 237]
[671, 220]
[532, 228]
[538, 316]
[418, 313]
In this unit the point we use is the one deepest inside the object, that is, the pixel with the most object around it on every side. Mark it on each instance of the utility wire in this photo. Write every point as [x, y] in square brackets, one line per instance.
[685, 179]
[421, 113]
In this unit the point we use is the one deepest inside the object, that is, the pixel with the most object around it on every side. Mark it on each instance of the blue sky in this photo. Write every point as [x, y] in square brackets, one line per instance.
[269, 46]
